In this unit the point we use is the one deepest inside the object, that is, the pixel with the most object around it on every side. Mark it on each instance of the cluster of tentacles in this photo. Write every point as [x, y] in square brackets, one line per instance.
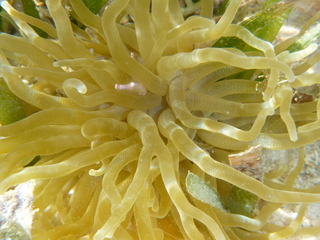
[125, 107]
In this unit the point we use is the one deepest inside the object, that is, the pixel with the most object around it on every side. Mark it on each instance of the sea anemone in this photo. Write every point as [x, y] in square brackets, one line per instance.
[128, 106]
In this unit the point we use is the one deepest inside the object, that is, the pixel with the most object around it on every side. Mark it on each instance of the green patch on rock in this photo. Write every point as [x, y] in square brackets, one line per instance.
[11, 109]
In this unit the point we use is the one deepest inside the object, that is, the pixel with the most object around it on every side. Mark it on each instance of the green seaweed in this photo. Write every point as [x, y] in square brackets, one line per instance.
[11, 109]
[310, 36]
[270, 3]
[5, 25]
[241, 202]
[95, 5]
[236, 200]
[222, 8]
[30, 9]
[264, 24]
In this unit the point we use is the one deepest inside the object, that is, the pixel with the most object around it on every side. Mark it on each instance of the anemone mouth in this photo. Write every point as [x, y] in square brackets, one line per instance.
[136, 106]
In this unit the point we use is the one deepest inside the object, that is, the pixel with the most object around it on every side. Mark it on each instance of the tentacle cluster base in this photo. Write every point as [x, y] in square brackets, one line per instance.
[129, 102]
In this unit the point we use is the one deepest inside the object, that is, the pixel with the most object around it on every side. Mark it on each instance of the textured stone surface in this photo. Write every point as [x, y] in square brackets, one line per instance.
[16, 212]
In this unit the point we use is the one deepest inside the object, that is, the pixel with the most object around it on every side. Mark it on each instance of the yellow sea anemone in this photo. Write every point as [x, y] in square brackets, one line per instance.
[126, 107]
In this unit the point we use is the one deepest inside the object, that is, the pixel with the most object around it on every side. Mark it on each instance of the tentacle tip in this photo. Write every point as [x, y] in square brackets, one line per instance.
[294, 137]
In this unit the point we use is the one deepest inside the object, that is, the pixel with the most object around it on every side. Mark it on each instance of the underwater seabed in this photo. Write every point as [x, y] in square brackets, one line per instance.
[286, 161]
